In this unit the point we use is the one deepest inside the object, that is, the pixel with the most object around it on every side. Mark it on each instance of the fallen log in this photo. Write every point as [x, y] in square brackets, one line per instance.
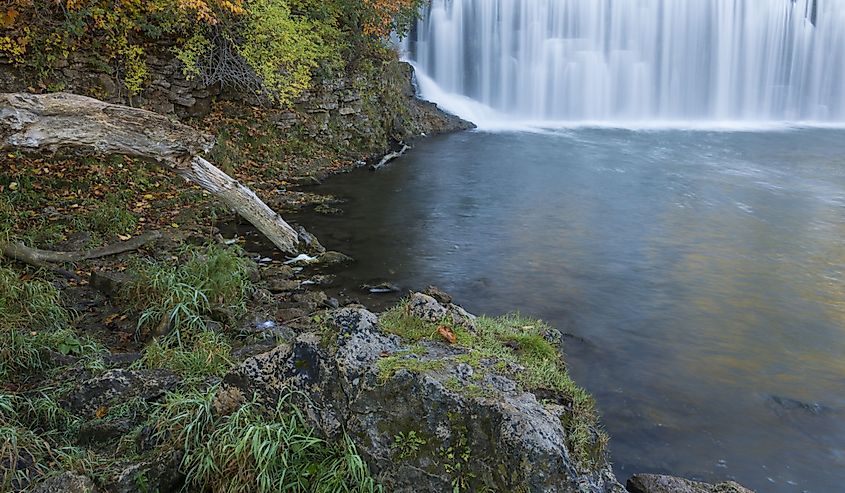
[390, 157]
[43, 259]
[51, 122]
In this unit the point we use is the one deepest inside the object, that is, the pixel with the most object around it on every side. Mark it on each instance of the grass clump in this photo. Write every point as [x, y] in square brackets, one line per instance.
[181, 297]
[512, 345]
[209, 354]
[34, 432]
[33, 321]
[257, 450]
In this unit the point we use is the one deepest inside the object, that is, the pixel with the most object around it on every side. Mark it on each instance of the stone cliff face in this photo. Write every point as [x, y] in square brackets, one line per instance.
[365, 111]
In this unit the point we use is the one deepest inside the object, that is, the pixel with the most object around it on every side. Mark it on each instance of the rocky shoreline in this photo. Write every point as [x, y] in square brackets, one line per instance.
[156, 356]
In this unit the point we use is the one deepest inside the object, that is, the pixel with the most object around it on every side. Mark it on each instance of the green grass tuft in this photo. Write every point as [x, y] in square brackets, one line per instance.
[207, 279]
[255, 450]
[209, 355]
[32, 322]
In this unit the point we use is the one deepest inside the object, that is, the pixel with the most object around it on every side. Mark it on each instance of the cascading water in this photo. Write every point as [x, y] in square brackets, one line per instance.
[633, 60]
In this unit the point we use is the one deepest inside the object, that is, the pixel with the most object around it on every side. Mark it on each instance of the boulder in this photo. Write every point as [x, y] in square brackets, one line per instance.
[158, 473]
[111, 284]
[428, 308]
[119, 385]
[657, 483]
[66, 482]
[410, 413]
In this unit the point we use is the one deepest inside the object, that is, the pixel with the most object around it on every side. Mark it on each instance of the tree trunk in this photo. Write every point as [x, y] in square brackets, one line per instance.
[50, 122]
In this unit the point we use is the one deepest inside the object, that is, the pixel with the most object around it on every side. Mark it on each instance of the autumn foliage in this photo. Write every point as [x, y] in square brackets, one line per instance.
[271, 47]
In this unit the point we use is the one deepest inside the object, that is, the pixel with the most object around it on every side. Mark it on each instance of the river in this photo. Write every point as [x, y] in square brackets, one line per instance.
[700, 273]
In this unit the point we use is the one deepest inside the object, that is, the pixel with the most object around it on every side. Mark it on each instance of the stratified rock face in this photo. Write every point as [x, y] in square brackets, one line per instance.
[655, 483]
[418, 428]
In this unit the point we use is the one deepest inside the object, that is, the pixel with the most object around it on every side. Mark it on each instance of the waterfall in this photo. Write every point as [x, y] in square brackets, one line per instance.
[634, 60]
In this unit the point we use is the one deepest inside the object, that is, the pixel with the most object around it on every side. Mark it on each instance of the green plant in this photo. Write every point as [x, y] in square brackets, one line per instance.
[408, 444]
[515, 346]
[208, 355]
[182, 296]
[257, 450]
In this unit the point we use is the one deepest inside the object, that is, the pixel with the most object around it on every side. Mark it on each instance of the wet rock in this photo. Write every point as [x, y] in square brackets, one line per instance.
[381, 288]
[331, 260]
[66, 482]
[110, 284]
[428, 308]
[310, 241]
[322, 280]
[119, 385]
[499, 438]
[159, 473]
[782, 405]
[438, 294]
[277, 271]
[282, 285]
[656, 483]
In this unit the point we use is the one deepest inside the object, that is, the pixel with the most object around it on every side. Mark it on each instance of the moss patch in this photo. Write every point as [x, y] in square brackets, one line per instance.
[511, 345]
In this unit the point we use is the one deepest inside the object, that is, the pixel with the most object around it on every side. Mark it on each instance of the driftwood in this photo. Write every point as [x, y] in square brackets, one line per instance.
[49, 122]
[43, 258]
[390, 157]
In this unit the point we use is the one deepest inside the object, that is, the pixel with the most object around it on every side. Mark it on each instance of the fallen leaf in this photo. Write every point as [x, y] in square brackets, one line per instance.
[124, 237]
[101, 412]
[447, 334]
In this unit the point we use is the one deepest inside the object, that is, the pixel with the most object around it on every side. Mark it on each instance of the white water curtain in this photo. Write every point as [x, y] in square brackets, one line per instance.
[595, 60]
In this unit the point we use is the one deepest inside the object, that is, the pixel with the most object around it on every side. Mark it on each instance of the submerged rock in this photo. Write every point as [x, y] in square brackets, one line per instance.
[423, 419]
[656, 483]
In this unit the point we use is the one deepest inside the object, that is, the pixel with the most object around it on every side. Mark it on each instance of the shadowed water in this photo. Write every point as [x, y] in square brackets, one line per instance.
[703, 274]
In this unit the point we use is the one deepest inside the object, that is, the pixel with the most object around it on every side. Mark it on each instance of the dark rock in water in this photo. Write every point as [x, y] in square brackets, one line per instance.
[159, 473]
[116, 386]
[322, 280]
[381, 288]
[332, 259]
[500, 438]
[788, 405]
[66, 482]
[656, 483]
[438, 294]
[312, 245]
[110, 284]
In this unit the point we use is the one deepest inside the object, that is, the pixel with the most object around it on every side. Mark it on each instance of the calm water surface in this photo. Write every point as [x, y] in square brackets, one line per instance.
[702, 272]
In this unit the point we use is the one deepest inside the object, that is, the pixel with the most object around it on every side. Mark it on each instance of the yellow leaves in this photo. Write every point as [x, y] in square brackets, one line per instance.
[7, 19]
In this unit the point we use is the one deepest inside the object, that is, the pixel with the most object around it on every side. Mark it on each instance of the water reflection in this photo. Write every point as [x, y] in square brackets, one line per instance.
[705, 270]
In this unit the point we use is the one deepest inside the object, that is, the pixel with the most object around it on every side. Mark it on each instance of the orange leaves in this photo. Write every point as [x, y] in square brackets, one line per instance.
[205, 10]
[7, 19]
[447, 334]
[383, 13]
